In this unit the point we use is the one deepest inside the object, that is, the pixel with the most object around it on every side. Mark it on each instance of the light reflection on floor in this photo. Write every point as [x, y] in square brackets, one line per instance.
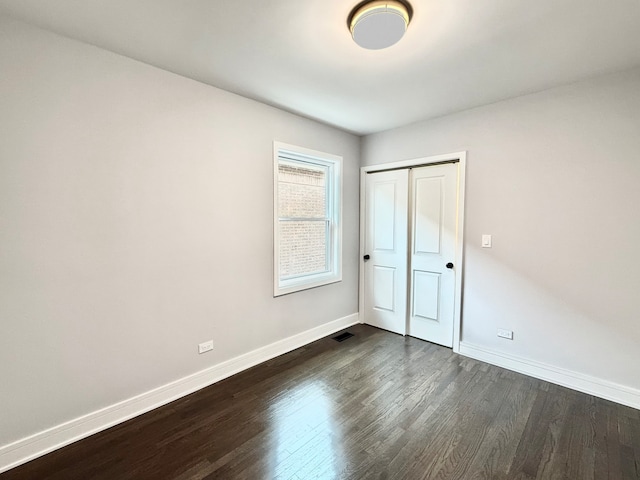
[306, 440]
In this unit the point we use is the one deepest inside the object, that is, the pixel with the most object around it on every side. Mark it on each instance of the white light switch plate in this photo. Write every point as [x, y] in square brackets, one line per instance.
[486, 241]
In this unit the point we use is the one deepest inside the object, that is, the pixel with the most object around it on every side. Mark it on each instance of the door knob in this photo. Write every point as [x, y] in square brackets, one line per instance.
[367, 257]
[449, 265]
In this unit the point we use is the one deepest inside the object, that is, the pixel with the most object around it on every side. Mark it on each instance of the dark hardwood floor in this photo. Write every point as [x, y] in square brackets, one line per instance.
[374, 406]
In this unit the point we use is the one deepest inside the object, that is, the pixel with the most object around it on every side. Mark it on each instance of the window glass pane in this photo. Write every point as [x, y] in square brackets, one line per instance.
[302, 191]
[303, 247]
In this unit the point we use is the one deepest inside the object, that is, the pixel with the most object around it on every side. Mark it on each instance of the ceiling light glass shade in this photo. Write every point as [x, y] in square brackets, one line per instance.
[379, 24]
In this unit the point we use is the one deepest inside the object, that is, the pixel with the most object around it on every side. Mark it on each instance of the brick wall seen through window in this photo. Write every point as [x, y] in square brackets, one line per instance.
[302, 210]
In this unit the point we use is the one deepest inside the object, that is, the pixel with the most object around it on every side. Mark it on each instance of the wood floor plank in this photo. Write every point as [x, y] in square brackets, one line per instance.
[376, 406]
[493, 458]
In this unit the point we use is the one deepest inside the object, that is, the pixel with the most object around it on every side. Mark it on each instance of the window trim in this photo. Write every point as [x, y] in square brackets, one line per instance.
[334, 274]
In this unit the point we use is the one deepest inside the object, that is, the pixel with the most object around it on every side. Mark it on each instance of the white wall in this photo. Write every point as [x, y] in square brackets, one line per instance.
[136, 222]
[555, 178]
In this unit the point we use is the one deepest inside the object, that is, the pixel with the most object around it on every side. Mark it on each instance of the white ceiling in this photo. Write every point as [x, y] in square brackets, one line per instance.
[298, 54]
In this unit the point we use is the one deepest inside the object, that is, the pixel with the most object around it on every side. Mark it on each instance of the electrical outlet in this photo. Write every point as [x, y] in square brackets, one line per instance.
[508, 334]
[205, 346]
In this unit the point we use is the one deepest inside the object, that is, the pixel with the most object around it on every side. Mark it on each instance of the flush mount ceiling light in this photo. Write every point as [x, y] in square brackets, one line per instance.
[379, 24]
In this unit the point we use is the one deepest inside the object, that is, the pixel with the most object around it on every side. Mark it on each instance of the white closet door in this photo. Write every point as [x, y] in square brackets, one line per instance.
[432, 253]
[385, 271]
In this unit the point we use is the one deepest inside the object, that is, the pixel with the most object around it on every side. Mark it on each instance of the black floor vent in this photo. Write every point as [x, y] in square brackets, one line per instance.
[343, 336]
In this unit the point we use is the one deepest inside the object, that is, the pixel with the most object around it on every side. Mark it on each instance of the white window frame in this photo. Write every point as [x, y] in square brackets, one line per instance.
[295, 154]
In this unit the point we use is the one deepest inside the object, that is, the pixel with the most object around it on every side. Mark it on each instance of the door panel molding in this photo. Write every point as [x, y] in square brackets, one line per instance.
[426, 191]
[384, 194]
[383, 283]
[421, 307]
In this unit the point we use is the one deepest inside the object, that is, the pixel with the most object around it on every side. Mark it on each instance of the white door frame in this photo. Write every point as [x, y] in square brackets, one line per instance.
[461, 157]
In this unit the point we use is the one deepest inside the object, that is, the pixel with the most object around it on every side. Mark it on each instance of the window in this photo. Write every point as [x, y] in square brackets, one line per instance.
[307, 231]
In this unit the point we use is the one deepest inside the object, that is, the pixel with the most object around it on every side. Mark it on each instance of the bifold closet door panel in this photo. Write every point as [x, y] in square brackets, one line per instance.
[433, 213]
[386, 224]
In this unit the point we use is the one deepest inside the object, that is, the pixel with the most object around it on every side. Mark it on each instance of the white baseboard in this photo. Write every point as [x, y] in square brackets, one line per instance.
[560, 376]
[41, 443]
